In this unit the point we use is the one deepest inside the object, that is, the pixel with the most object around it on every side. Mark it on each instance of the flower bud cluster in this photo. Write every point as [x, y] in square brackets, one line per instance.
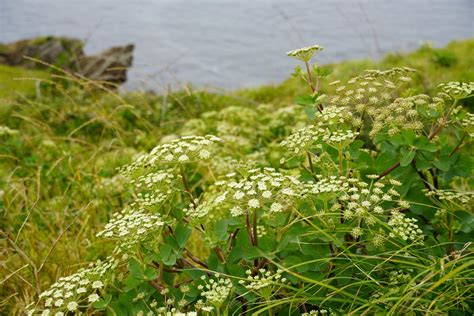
[468, 124]
[405, 228]
[457, 90]
[364, 202]
[399, 115]
[317, 312]
[260, 188]
[215, 290]
[131, 227]
[262, 279]
[184, 150]
[314, 136]
[78, 289]
[5, 130]
[304, 54]
[458, 197]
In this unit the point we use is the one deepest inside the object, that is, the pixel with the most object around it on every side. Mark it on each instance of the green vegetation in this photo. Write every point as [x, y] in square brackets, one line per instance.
[315, 242]
[19, 82]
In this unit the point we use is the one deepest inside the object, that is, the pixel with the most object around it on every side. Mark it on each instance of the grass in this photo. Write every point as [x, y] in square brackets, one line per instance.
[59, 172]
[16, 81]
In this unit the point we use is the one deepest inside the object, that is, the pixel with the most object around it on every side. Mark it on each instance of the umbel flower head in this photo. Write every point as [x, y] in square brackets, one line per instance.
[306, 53]
[262, 279]
[132, 227]
[77, 289]
[184, 150]
[260, 189]
[457, 90]
[215, 290]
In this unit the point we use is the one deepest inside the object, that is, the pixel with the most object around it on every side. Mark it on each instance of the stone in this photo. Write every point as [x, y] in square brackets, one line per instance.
[109, 66]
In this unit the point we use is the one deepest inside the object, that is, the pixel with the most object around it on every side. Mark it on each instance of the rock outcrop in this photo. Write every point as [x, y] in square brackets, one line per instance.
[108, 66]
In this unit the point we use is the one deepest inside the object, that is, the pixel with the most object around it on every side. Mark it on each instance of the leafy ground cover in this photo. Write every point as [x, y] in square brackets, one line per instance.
[319, 242]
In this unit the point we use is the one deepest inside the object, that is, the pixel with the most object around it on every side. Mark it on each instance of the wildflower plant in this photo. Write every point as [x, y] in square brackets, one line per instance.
[362, 207]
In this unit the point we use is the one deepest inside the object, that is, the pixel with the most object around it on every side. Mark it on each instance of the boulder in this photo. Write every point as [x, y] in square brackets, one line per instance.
[109, 66]
[59, 51]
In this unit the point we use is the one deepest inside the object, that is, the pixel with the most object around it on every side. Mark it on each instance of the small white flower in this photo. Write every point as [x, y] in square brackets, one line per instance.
[276, 207]
[97, 284]
[204, 154]
[93, 298]
[267, 194]
[254, 203]
[72, 306]
[183, 158]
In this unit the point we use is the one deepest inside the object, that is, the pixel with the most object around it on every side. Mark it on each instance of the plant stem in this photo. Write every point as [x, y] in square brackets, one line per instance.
[310, 161]
[186, 186]
[249, 228]
[459, 145]
[255, 235]
[310, 78]
[432, 135]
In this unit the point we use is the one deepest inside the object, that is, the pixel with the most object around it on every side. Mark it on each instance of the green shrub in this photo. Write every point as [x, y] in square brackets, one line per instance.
[357, 201]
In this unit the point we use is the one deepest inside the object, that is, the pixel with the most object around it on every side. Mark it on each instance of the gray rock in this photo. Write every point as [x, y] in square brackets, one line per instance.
[109, 66]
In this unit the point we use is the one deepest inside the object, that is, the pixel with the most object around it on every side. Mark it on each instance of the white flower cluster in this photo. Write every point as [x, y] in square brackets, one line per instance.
[131, 227]
[149, 200]
[5, 130]
[372, 88]
[314, 136]
[154, 179]
[184, 150]
[468, 124]
[260, 189]
[405, 228]
[399, 115]
[303, 139]
[332, 115]
[156, 187]
[262, 279]
[458, 197]
[457, 90]
[317, 312]
[327, 186]
[77, 289]
[215, 290]
[365, 202]
[306, 53]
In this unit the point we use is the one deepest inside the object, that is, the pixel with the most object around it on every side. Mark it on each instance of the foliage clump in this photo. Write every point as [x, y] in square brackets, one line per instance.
[362, 207]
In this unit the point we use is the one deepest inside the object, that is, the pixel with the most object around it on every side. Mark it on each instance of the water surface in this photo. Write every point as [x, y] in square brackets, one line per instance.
[237, 43]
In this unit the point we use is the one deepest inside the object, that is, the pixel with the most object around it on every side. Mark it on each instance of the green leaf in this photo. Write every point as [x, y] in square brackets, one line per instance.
[182, 234]
[443, 163]
[135, 268]
[409, 136]
[103, 302]
[423, 143]
[407, 157]
[310, 112]
[220, 228]
[150, 274]
[251, 253]
[304, 100]
[466, 222]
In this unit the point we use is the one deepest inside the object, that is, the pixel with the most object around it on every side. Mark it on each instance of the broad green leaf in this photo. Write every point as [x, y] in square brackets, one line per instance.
[407, 157]
[182, 234]
[304, 100]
